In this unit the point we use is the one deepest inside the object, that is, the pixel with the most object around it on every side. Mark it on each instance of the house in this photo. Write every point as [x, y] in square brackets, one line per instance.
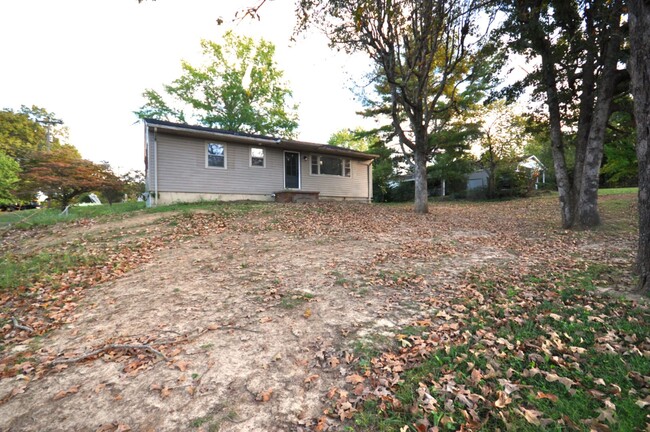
[190, 163]
[479, 178]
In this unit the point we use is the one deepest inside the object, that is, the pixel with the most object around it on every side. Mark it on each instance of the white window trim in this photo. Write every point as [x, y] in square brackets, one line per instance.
[225, 155]
[250, 157]
[330, 175]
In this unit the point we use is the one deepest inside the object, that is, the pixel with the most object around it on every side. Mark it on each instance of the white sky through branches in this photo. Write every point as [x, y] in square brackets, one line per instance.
[89, 62]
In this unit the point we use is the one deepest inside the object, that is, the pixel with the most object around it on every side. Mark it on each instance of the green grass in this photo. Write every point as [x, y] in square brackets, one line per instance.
[295, 299]
[17, 271]
[45, 216]
[584, 320]
[618, 191]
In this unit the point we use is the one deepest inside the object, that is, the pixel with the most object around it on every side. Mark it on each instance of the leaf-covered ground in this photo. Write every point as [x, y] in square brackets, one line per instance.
[328, 316]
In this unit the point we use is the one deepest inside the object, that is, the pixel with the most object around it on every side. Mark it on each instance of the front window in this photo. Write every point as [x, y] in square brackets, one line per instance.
[257, 157]
[330, 165]
[216, 155]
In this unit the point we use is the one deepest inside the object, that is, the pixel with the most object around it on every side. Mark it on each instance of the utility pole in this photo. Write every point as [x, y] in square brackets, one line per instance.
[48, 135]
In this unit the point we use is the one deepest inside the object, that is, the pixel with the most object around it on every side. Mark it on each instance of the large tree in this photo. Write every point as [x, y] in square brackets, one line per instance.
[238, 87]
[639, 66]
[423, 55]
[28, 130]
[577, 46]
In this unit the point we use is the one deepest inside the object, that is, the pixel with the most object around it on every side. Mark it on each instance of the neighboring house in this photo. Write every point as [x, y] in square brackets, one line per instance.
[190, 163]
[479, 178]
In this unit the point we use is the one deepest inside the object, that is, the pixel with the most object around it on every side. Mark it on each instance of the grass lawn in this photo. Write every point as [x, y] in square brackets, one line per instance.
[44, 216]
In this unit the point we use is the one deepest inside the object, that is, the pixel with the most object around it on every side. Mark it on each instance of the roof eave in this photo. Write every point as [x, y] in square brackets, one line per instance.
[261, 141]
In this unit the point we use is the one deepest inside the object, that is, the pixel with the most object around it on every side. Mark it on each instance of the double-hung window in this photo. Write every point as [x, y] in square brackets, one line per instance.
[216, 155]
[258, 157]
[330, 165]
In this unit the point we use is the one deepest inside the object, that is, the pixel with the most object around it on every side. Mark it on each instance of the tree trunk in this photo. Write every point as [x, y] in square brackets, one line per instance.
[588, 215]
[557, 144]
[639, 66]
[420, 178]
[587, 97]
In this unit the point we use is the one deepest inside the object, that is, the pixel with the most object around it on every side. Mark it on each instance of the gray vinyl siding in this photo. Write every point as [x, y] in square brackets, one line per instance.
[182, 168]
[355, 186]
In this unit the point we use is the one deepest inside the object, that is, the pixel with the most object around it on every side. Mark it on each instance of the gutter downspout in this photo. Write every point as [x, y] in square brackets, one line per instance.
[155, 146]
[369, 169]
[147, 163]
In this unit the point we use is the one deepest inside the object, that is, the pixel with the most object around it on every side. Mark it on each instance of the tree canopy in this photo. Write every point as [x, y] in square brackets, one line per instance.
[425, 56]
[576, 47]
[238, 88]
[24, 132]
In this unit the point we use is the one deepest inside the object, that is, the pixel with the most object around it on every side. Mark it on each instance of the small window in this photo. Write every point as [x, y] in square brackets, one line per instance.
[330, 165]
[216, 155]
[257, 157]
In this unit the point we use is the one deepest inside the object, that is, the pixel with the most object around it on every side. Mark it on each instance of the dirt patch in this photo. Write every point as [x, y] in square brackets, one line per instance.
[265, 317]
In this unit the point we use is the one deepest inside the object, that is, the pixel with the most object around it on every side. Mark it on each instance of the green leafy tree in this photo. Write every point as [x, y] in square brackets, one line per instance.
[355, 139]
[9, 171]
[425, 57]
[239, 88]
[25, 132]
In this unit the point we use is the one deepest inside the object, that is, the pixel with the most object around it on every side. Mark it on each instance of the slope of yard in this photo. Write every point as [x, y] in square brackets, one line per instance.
[327, 316]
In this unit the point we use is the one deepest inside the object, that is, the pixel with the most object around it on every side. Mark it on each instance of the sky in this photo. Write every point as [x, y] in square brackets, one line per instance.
[89, 61]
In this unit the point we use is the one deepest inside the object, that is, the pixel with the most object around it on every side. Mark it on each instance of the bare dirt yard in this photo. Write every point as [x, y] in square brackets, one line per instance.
[269, 317]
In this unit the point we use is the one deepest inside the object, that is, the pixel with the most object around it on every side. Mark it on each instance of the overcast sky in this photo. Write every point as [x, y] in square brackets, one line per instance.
[89, 61]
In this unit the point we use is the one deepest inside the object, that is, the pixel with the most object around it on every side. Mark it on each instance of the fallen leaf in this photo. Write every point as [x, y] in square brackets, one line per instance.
[502, 400]
[567, 382]
[64, 393]
[266, 319]
[531, 416]
[321, 425]
[333, 362]
[311, 378]
[642, 403]
[549, 396]
[476, 376]
[182, 365]
[265, 396]
[355, 379]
